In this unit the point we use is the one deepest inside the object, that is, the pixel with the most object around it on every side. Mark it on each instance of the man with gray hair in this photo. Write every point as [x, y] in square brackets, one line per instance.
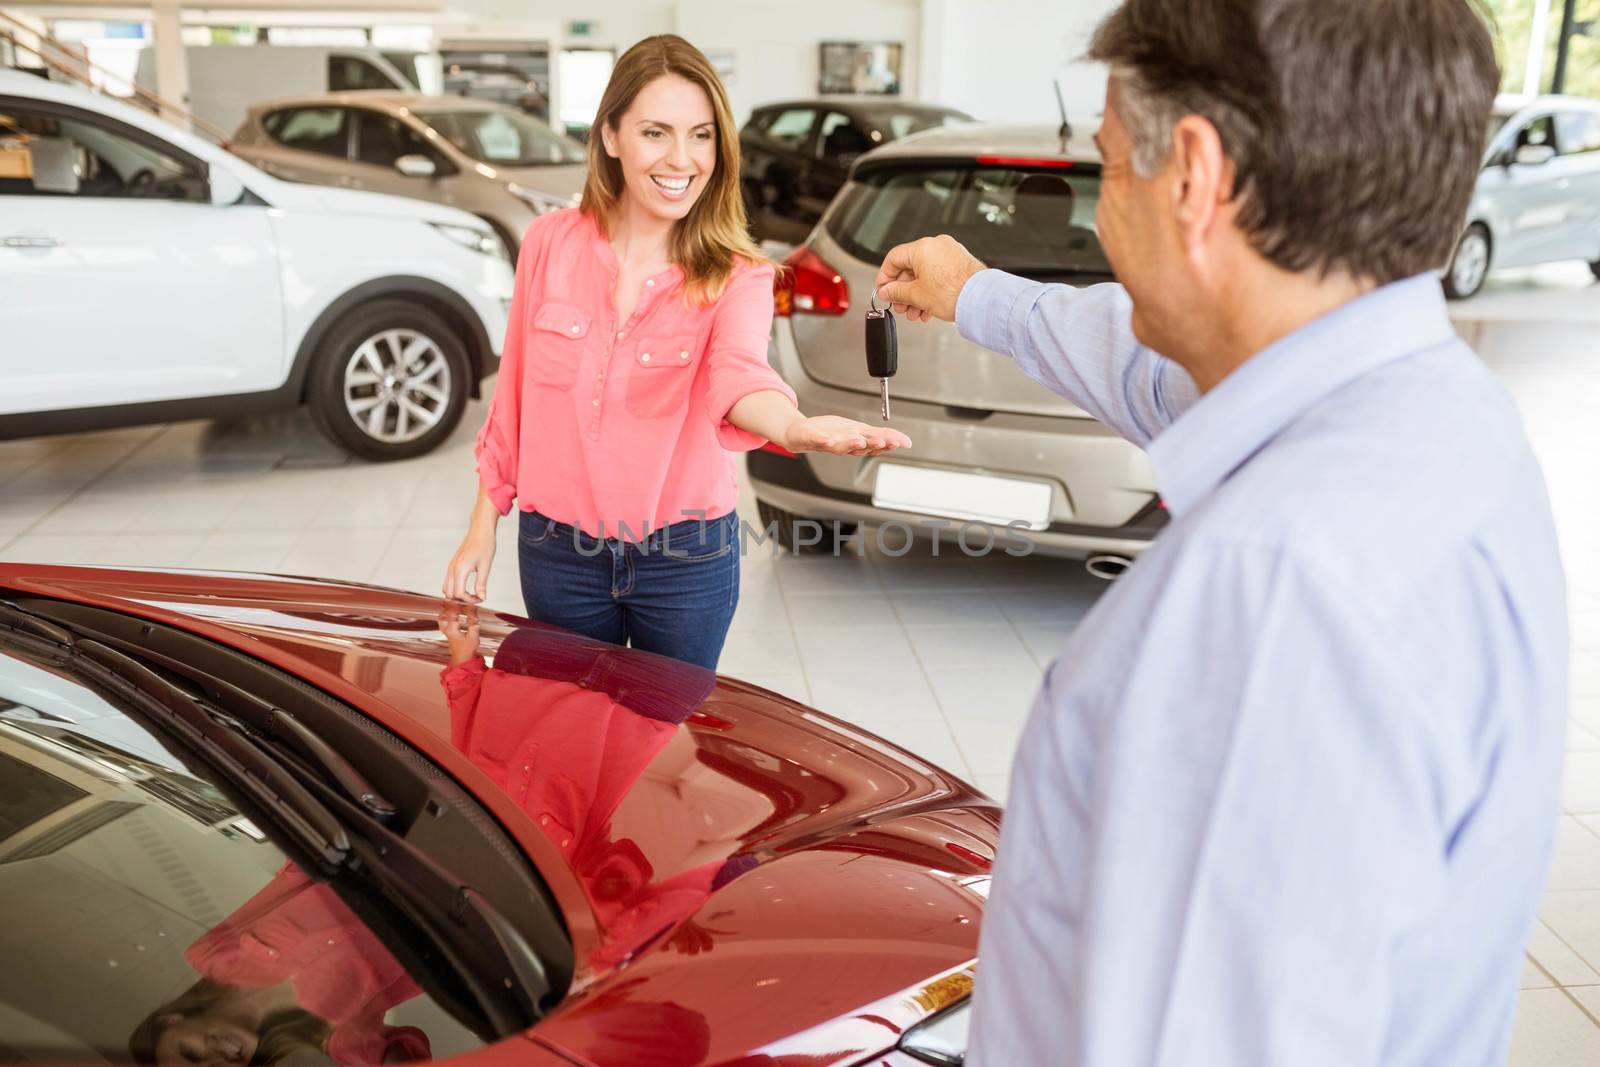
[1288, 796]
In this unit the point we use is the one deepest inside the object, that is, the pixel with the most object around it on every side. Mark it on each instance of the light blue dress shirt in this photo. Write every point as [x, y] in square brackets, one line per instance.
[1289, 794]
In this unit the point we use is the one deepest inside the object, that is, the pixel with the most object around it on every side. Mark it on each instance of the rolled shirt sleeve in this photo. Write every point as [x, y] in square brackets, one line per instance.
[498, 443]
[736, 354]
[1078, 343]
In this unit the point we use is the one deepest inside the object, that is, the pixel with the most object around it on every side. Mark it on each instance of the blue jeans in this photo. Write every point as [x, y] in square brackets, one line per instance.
[673, 593]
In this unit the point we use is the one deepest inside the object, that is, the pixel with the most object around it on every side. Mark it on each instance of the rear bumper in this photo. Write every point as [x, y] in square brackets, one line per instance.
[1103, 496]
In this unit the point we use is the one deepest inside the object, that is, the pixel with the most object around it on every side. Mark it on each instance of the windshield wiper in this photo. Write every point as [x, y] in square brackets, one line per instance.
[261, 777]
[315, 794]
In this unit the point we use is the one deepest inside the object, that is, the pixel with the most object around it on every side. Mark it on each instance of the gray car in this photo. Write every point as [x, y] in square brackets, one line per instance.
[1538, 198]
[990, 445]
[495, 161]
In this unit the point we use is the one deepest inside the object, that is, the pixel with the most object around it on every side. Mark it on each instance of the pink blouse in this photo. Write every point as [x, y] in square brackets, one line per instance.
[623, 424]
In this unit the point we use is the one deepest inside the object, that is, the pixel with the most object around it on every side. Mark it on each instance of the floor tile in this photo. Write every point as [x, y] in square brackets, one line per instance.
[1580, 785]
[56, 548]
[757, 654]
[1588, 997]
[243, 550]
[827, 648]
[871, 697]
[971, 608]
[1580, 738]
[149, 550]
[985, 695]
[842, 610]
[826, 575]
[1045, 642]
[1577, 862]
[997, 786]
[1533, 977]
[1048, 608]
[993, 648]
[1552, 1031]
[989, 745]
[1570, 948]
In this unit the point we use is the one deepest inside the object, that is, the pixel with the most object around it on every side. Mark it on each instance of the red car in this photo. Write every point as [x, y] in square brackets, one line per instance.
[250, 819]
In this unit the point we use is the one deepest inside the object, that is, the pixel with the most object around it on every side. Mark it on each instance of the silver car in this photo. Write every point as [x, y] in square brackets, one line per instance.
[497, 162]
[1538, 198]
[992, 447]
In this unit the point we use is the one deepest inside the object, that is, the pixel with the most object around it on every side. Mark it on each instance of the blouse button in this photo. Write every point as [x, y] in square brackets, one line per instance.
[575, 328]
[596, 401]
[645, 358]
[649, 281]
[621, 334]
[684, 354]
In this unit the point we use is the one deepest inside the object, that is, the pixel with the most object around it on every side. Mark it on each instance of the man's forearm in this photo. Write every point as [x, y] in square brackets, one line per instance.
[1078, 343]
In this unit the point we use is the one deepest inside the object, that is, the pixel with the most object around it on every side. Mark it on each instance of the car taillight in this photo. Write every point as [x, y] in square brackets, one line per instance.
[809, 286]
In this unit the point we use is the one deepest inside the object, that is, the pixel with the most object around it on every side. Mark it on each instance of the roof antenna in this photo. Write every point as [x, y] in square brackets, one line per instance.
[1061, 105]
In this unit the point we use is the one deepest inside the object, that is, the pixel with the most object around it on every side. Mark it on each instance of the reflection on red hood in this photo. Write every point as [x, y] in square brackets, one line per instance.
[728, 863]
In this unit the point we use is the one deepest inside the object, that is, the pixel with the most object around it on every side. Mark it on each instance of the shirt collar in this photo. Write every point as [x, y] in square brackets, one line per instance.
[1267, 392]
[663, 280]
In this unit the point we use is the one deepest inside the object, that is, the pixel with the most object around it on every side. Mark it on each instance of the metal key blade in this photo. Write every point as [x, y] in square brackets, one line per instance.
[885, 384]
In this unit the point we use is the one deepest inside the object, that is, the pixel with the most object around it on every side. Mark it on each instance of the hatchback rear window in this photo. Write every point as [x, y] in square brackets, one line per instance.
[1034, 222]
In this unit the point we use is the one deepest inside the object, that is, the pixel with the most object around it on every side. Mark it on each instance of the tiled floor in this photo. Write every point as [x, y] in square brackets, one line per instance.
[939, 654]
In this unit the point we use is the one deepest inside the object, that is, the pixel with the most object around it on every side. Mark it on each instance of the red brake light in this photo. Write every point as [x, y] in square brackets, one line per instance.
[810, 286]
[1024, 161]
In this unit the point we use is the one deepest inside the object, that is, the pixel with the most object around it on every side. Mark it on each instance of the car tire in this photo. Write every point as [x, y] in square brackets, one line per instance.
[788, 536]
[357, 371]
[1595, 268]
[1469, 266]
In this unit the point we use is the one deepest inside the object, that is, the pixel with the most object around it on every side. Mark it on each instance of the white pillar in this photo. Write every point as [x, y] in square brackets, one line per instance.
[932, 63]
[172, 73]
[1534, 76]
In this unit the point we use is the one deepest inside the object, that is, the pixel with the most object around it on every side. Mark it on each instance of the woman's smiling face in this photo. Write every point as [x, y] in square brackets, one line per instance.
[666, 143]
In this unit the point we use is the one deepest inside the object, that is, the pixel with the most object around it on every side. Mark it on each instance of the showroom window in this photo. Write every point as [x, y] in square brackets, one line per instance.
[790, 127]
[312, 129]
[44, 154]
[352, 72]
[382, 139]
[1579, 132]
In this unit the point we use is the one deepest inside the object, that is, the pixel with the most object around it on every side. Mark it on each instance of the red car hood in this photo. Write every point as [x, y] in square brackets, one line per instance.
[744, 879]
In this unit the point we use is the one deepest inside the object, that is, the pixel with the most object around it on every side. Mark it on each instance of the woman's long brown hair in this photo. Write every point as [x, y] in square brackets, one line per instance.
[714, 235]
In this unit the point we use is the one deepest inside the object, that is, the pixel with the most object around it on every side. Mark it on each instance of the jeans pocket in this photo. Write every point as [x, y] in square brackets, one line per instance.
[534, 528]
[695, 541]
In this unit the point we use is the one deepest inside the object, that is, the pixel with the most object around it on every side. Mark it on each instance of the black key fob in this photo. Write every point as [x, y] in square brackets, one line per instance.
[883, 357]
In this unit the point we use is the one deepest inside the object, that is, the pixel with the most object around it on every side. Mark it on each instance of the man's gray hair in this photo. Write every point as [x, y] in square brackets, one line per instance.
[1355, 127]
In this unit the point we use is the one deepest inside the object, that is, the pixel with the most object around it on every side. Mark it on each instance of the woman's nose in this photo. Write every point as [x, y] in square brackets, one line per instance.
[679, 156]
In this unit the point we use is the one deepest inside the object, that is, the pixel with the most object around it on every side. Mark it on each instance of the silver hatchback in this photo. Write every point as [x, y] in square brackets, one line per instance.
[498, 162]
[990, 445]
[1538, 197]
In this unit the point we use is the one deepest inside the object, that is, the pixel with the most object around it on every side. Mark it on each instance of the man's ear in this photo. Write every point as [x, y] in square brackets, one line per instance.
[1204, 177]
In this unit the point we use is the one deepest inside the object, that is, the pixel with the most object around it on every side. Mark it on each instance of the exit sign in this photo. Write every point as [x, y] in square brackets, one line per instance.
[581, 28]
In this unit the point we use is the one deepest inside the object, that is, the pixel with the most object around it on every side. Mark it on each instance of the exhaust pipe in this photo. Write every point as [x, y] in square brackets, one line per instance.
[1109, 568]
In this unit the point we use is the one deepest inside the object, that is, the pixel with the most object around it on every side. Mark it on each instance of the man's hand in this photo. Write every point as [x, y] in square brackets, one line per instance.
[922, 280]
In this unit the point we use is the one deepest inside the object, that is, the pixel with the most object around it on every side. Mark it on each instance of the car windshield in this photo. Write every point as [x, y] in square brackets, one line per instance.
[504, 137]
[897, 124]
[1035, 222]
[149, 919]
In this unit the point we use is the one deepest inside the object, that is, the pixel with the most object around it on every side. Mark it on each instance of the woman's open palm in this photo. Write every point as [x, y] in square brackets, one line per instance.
[843, 437]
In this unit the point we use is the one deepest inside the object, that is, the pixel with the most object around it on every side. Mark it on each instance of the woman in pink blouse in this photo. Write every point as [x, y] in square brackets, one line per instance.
[634, 366]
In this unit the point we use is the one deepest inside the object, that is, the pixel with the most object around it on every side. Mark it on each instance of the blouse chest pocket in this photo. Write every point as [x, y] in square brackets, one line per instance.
[556, 344]
[662, 372]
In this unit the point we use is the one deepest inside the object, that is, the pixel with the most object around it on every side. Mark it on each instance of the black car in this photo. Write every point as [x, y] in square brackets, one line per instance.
[796, 155]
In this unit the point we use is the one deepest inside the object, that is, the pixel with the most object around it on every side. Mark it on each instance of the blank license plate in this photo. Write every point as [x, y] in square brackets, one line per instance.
[958, 495]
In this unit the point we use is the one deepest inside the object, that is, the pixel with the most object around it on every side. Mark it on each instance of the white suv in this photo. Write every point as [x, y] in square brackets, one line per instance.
[147, 276]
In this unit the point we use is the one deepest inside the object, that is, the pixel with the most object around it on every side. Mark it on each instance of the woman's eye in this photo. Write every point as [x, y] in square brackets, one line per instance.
[652, 133]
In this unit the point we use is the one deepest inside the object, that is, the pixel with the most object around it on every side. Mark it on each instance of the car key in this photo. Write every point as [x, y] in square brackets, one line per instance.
[883, 355]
